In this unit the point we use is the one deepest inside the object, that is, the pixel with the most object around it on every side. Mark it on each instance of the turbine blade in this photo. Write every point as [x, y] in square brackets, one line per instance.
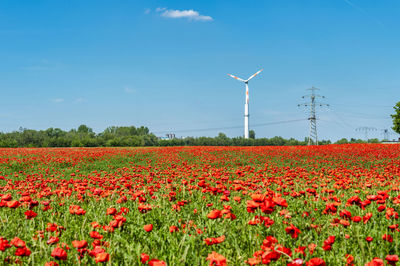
[258, 72]
[236, 77]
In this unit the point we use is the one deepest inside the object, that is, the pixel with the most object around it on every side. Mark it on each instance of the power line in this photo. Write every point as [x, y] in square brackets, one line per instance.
[230, 127]
[313, 137]
[387, 133]
[362, 105]
[366, 130]
[364, 115]
[341, 120]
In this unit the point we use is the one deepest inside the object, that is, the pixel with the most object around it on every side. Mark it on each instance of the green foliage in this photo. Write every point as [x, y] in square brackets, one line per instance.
[252, 134]
[83, 129]
[396, 118]
[353, 140]
[342, 141]
[84, 136]
[130, 136]
[223, 140]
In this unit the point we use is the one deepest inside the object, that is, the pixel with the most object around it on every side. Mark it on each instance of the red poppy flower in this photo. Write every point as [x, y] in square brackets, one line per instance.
[13, 204]
[111, 211]
[59, 254]
[6, 197]
[392, 259]
[311, 248]
[366, 217]
[76, 209]
[253, 261]
[108, 228]
[51, 263]
[293, 231]
[270, 255]
[4, 244]
[213, 241]
[280, 201]
[216, 259]
[345, 214]
[269, 242]
[300, 250]
[79, 244]
[375, 262]
[22, 252]
[345, 223]
[316, 262]
[96, 250]
[258, 197]
[95, 235]
[393, 227]
[143, 208]
[102, 257]
[17, 242]
[52, 240]
[30, 214]
[148, 227]
[51, 227]
[237, 199]
[156, 262]
[381, 208]
[328, 243]
[144, 257]
[173, 228]
[388, 238]
[296, 262]
[354, 200]
[349, 259]
[214, 214]
[95, 224]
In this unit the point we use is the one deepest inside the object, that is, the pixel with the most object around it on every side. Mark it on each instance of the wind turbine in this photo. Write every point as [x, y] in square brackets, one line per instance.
[246, 105]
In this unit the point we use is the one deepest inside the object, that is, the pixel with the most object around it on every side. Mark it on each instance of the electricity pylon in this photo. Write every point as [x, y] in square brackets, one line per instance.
[386, 134]
[313, 137]
[366, 130]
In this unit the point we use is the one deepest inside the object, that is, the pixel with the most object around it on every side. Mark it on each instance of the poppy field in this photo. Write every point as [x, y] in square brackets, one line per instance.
[315, 205]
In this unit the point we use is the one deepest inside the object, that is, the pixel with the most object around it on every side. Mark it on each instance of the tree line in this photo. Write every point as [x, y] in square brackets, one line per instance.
[130, 136]
[83, 136]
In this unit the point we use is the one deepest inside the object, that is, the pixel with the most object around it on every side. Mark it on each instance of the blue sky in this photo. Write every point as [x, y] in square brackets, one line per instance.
[163, 64]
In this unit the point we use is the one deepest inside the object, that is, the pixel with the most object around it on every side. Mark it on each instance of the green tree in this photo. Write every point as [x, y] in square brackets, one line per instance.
[252, 134]
[396, 118]
[222, 139]
[84, 129]
[342, 141]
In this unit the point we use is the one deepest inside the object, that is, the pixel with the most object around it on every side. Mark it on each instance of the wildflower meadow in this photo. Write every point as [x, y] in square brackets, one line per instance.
[314, 205]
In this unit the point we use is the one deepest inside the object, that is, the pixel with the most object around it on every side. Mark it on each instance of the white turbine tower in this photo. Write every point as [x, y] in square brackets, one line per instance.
[246, 105]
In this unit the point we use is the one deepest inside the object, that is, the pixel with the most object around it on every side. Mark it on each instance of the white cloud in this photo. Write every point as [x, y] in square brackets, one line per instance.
[79, 100]
[147, 11]
[189, 14]
[159, 9]
[129, 90]
[57, 100]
